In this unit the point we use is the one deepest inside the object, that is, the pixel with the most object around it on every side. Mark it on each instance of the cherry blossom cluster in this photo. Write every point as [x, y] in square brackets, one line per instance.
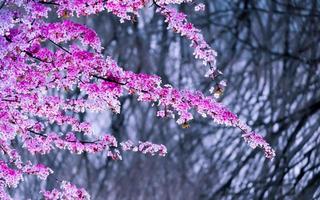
[30, 71]
[255, 140]
[7, 20]
[144, 147]
[67, 31]
[165, 2]
[199, 7]
[111, 83]
[39, 170]
[145, 86]
[3, 193]
[67, 191]
[124, 9]
[178, 22]
[10, 177]
[28, 12]
[43, 144]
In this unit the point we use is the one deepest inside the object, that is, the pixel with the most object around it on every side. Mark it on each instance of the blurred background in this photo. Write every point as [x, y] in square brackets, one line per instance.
[269, 53]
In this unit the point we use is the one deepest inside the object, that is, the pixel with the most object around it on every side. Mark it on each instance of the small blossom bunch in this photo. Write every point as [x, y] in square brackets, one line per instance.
[8, 176]
[178, 22]
[7, 21]
[67, 191]
[39, 170]
[67, 31]
[255, 140]
[164, 2]
[199, 7]
[3, 193]
[144, 147]
[124, 9]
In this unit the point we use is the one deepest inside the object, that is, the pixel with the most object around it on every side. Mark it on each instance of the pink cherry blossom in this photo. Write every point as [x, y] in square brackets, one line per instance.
[199, 7]
[178, 22]
[144, 147]
[256, 140]
[67, 191]
[39, 170]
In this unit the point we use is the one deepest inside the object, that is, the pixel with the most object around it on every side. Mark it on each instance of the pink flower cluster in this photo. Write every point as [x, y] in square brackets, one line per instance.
[199, 7]
[124, 9]
[3, 193]
[7, 21]
[144, 147]
[67, 31]
[111, 81]
[67, 191]
[43, 144]
[255, 140]
[28, 12]
[39, 170]
[165, 2]
[178, 22]
[8, 176]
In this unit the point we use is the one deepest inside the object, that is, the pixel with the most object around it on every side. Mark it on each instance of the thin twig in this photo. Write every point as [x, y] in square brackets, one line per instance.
[58, 45]
[2, 5]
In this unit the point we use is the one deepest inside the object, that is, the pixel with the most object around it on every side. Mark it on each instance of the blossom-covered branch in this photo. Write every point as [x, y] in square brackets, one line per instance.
[29, 70]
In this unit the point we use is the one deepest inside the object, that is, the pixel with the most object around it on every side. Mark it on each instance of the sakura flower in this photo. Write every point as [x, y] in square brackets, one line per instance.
[67, 191]
[40, 170]
[144, 147]
[256, 140]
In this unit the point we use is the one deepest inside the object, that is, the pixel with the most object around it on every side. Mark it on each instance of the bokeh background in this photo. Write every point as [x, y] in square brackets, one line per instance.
[269, 53]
